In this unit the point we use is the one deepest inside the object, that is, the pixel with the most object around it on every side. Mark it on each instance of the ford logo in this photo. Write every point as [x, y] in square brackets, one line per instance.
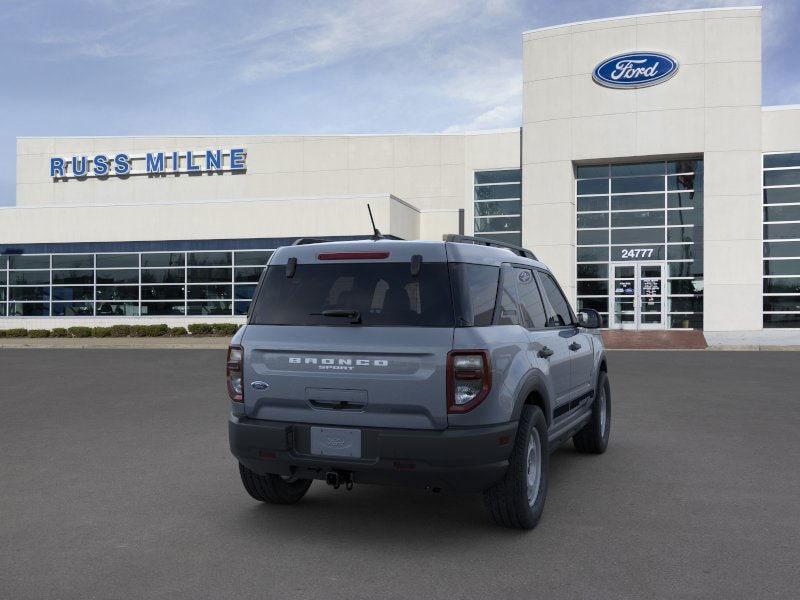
[259, 385]
[635, 70]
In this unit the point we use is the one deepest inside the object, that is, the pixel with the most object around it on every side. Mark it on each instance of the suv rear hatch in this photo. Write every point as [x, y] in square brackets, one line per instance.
[352, 334]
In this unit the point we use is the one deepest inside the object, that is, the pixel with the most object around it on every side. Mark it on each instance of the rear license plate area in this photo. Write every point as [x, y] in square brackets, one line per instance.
[333, 441]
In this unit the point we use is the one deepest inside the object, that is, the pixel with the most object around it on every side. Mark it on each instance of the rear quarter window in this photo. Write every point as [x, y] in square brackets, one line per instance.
[474, 293]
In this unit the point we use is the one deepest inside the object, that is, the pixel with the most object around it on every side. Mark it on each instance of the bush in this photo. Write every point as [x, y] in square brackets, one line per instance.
[156, 330]
[177, 331]
[101, 332]
[138, 330]
[80, 332]
[59, 332]
[226, 329]
[201, 329]
[119, 330]
[39, 333]
[16, 332]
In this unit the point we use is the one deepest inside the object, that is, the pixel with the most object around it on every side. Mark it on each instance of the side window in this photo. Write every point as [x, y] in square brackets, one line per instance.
[563, 315]
[530, 300]
[507, 305]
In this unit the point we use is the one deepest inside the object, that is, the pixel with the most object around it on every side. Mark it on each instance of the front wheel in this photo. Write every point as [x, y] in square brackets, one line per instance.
[518, 499]
[273, 489]
[593, 438]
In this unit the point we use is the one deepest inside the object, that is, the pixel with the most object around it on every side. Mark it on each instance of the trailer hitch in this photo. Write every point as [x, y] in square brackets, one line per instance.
[339, 478]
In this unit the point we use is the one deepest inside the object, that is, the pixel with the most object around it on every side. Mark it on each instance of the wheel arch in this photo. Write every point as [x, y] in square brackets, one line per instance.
[534, 392]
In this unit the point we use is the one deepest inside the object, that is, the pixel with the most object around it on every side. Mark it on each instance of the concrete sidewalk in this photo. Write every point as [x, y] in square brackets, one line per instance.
[160, 343]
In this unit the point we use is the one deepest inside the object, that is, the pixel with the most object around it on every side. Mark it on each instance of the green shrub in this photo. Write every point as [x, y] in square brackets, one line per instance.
[226, 329]
[101, 332]
[138, 330]
[120, 330]
[156, 330]
[38, 333]
[201, 329]
[16, 332]
[2, 333]
[80, 332]
[177, 331]
[59, 332]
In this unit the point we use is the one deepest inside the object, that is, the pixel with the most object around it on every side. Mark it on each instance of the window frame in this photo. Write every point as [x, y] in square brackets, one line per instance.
[545, 305]
[539, 272]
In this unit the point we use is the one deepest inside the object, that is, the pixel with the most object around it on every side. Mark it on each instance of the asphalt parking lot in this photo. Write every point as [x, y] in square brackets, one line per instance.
[116, 482]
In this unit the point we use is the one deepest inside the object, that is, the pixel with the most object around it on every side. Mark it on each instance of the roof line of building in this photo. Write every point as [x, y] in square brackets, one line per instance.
[652, 14]
[782, 107]
[214, 201]
[252, 135]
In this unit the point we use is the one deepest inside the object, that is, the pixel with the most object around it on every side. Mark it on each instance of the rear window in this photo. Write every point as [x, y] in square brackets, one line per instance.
[384, 294]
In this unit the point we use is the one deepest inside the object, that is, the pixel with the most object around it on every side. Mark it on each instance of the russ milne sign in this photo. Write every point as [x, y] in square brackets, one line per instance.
[635, 70]
[150, 163]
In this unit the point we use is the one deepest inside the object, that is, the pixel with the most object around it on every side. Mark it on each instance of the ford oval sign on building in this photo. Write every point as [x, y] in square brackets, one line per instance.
[635, 70]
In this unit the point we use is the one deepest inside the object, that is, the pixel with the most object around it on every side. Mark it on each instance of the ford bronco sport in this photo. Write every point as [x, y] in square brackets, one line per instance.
[452, 365]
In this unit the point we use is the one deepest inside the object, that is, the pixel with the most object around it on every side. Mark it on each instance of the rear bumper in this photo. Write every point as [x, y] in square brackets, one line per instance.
[463, 459]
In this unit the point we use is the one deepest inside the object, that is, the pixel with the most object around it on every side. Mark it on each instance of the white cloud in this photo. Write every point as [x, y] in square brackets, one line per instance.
[497, 117]
[335, 34]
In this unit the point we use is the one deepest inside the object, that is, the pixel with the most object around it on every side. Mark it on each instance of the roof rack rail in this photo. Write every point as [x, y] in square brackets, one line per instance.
[478, 241]
[309, 240]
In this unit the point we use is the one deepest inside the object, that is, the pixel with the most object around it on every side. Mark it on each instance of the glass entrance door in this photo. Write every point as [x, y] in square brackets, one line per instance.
[637, 295]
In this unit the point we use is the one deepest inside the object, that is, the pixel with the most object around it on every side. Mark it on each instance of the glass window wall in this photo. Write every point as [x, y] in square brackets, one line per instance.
[641, 211]
[498, 205]
[781, 286]
[130, 284]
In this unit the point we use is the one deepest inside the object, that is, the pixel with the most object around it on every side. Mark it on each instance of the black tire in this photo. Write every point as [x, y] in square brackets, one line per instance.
[593, 438]
[273, 489]
[507, 502]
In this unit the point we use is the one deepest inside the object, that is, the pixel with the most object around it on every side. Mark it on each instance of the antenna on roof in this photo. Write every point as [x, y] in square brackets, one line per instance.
[376, 235]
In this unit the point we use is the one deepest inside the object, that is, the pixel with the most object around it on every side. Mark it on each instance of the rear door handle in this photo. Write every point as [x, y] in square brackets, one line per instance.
[574, 346]
[545, 352]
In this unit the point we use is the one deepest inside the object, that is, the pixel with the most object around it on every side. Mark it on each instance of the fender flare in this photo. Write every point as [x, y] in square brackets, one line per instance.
[534, 381]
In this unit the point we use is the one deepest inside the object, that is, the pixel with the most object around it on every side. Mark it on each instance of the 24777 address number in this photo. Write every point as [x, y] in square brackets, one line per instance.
[637, 252]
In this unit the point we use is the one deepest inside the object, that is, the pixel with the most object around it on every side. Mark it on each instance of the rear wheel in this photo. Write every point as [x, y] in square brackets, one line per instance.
[518, 500]
[273, 489]
[593, 438]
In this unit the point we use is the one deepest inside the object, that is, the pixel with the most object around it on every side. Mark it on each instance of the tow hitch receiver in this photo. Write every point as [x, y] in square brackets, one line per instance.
[338, 478]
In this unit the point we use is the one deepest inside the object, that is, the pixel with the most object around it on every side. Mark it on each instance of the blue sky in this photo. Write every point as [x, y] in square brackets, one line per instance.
[104, 67]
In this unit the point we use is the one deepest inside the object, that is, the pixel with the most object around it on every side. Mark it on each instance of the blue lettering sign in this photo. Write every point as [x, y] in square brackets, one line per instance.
[237, 159]
[122, 166]
[79, 166]
[213, 160]
[190, 166]
[56, 167]
[635, 70]
[154, 162]
[100, 163]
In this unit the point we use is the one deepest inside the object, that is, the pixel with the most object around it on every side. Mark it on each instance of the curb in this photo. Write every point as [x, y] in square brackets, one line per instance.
[202, 343]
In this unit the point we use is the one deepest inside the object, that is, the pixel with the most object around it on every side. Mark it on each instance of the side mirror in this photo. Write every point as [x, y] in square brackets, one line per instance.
[590, 319]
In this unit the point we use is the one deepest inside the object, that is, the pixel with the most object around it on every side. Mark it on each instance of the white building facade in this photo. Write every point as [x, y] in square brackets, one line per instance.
[646, 173]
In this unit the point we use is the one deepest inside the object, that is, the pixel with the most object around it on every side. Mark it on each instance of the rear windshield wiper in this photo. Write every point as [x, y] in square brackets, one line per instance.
[347, 313]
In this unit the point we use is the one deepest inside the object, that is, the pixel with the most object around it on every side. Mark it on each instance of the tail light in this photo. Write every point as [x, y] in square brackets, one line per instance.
[469, 379]
[234, 372]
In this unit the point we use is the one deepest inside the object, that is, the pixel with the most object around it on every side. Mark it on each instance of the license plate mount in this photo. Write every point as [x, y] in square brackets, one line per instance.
[335, 441]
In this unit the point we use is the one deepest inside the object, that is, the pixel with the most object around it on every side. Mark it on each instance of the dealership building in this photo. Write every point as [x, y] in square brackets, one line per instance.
[646, 173]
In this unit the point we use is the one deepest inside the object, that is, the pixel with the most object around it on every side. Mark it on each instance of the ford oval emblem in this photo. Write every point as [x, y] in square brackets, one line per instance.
[259, 385]
[635, 70]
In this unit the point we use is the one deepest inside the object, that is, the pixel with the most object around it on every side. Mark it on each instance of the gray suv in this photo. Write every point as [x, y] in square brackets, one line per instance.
[453, 365]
